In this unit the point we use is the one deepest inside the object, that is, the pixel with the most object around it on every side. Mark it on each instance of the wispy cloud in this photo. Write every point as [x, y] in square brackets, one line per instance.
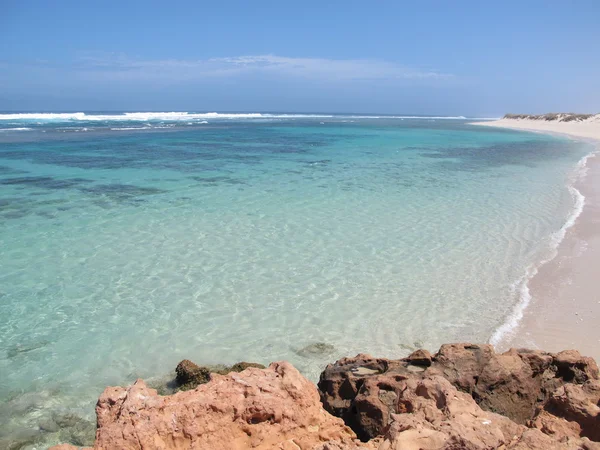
[122, 66]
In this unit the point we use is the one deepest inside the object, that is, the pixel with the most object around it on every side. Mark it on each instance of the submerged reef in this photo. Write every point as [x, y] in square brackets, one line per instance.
[465, 396]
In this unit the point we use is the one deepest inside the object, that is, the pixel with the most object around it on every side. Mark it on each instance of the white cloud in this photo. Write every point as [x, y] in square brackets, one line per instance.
[121, 66]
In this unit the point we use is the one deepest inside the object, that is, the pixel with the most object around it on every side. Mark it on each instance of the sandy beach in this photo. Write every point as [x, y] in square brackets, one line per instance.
[564, 310]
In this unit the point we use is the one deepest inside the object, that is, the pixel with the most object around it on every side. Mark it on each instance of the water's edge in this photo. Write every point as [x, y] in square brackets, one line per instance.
[507, 329]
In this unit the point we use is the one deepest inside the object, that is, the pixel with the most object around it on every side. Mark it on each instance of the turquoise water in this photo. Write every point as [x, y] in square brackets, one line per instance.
[130, 243]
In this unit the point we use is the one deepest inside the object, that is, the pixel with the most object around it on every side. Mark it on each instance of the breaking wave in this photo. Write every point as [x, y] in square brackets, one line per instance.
[190, 116]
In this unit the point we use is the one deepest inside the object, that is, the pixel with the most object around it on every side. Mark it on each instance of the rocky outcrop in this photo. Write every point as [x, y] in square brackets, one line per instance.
[543, 390]
[433, 414]
[572, 410]
[261, 409]
[463, 397]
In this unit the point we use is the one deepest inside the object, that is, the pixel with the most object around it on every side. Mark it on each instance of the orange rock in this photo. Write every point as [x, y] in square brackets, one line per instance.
[260, 409]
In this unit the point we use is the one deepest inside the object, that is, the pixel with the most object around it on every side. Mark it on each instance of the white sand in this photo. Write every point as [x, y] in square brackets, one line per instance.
[587, 129]
[564, 311]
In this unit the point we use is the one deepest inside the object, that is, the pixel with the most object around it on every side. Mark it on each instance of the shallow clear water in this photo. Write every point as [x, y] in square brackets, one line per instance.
[222, 239]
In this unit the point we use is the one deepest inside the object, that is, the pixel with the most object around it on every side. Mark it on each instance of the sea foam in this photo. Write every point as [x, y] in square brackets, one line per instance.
[43, 116]
[187, 116]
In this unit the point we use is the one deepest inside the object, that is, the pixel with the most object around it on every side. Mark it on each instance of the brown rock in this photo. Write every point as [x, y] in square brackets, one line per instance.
[420, 357]
[190, 375]
[365, 391]
[339, 385]
[443, 418]
[462, 363]
[554, 426]
[440, 417]
[573, 410]
[508, 385]
[571, 366]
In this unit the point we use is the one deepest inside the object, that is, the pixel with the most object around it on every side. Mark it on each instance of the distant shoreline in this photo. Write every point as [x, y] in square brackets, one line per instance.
[587, 129]
[562, 304]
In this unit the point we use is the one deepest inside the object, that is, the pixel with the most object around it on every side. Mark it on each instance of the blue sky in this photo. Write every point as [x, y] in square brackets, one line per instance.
[456, 58]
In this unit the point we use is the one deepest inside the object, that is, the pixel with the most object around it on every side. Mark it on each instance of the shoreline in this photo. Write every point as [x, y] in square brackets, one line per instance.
[559, 305]
[508, 328]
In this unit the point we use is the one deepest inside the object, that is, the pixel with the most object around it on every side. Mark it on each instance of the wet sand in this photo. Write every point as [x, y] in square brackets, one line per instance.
[564, 310]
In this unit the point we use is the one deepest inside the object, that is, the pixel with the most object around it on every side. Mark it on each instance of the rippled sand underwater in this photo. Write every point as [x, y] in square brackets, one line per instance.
[126, 251]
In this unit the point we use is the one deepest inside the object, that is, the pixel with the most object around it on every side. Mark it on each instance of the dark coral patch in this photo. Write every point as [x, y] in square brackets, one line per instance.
[44, 182]
[216, 180]
[118, 191]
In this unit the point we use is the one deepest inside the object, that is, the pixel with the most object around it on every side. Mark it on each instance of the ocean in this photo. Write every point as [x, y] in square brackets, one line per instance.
[130, 241]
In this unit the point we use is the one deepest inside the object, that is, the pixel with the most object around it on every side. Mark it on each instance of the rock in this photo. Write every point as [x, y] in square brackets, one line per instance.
[435, 415]
[571, 366]
[261, 409]
[572, 410]
[18, 349]
[508, 385]
[518, 384]
[420, 357]
[339, 385]
[74, 429]
[241, 366]
[316, 349]
[190, 375]
[556, 427]
[441, 417]
[462, 363]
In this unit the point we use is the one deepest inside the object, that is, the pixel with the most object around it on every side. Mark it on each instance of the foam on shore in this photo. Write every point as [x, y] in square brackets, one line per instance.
[509, 326]
[513, 329]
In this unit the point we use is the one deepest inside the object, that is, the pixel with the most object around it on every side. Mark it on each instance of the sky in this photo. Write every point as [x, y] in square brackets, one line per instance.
[477, 59]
